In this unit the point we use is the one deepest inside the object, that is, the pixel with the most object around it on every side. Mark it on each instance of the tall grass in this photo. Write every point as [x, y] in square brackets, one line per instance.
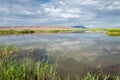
[26, 69]
[9, 32]
[113, 32]
[13, 67]
[27, 31]
[59, 31]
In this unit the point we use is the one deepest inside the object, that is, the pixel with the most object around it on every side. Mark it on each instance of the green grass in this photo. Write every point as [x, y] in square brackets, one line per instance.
[11, 68]
[27, 31]
[59, 31]
[97, 29]
[9, 32]
[108, 31]
[113, 32]
[26, 69]
[14, 68]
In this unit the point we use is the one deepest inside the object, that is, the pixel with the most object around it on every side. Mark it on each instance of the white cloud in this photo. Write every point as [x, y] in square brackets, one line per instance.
[27, 12]
[115, 5]
[62, 3]
[84, 2]
[65, 12]
[74, 10]
[67, 15]
[4, 9]
[88, 2]
[62, 13]
[111, 5]
[53, 10]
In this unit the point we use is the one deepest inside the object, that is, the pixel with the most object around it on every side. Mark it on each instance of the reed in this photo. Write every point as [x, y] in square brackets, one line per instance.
[12, 68]
[10, 32]
[25, 69]
[27, 31]
[59, 31]
[113, 32]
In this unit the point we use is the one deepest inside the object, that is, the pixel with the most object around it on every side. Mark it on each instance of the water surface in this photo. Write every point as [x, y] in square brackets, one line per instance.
[76, 52]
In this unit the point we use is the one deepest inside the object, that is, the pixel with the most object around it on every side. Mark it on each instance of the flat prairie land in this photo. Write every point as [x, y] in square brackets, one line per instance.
[37, 28]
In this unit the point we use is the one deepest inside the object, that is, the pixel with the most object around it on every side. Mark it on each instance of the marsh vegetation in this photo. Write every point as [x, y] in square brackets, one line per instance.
[9, 32]
[113, 32]
[27, 31]
[108, 31]
[14, 66]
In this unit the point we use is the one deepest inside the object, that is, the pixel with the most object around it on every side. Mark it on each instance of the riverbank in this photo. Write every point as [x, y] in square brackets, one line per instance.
[113, 32]
[37, 30]
[55, 30]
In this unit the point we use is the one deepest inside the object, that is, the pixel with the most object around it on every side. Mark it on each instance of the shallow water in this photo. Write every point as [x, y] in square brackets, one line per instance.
[76, 52]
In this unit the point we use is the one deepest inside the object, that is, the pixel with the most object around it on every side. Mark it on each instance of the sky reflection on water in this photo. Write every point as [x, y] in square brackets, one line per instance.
[79, 49]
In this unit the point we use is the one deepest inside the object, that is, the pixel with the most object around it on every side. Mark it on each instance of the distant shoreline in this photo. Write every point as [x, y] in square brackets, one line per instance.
[40, 30]
[36, 28]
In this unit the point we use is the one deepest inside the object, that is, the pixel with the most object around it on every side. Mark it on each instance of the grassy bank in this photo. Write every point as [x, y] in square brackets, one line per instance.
[14, 65]
[97, 29]
[59, 31]
[108, 31]
[113, 32]
[10, 32]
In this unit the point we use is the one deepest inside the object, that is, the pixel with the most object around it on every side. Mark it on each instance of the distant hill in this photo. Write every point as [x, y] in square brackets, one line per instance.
[78, 26]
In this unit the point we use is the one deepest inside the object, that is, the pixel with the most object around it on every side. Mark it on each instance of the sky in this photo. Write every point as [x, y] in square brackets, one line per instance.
[89, 13]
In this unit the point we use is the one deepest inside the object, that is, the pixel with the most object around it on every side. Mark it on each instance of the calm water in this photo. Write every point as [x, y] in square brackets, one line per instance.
[76, 52]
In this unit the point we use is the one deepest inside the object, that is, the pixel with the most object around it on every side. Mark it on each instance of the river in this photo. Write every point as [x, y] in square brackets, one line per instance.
[76, 53]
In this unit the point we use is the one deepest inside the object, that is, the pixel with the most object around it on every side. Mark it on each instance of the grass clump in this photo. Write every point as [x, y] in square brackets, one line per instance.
[62, 31]
[113, 32]
[7, 32]
[26, 69]
[10, 32]
[26, 31]
[12, 68]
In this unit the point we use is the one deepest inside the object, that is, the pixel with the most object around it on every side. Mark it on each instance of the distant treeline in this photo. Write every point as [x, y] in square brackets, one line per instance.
[113, 32]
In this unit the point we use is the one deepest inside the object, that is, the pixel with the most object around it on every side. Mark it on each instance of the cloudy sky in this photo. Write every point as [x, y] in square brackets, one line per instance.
[90, 13]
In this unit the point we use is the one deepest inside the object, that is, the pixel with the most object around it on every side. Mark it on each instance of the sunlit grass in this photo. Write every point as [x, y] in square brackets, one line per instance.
[10, 32]
[27, 31]
[108, 31]
[113, 32]
[25, 69]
